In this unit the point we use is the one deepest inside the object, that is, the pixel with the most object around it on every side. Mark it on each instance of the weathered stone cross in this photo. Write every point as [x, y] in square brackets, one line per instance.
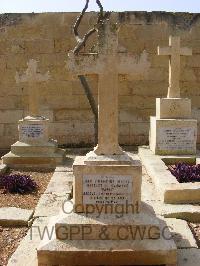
[174, 51]
[108, 64]
[32, 77]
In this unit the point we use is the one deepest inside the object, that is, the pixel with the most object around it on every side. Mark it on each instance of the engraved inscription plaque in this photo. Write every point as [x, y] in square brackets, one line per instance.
[32, 131]
[176, 138]
[107, 189]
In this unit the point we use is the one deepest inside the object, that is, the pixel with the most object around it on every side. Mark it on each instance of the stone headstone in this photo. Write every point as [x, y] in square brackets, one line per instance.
[172, 131]
[34, 147]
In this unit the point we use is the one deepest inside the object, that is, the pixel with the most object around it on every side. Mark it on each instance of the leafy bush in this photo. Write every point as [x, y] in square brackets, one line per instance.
[185, 173]
[18, 184]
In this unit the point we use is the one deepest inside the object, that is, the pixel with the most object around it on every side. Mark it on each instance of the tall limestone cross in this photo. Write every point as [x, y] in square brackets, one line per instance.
[108, 64]
[32, 77]
[174, 51]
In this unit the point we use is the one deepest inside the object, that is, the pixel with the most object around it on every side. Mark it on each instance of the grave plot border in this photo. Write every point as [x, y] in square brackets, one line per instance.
[168, 188]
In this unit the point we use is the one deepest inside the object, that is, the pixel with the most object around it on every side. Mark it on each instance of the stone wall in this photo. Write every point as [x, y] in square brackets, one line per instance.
[48, 37]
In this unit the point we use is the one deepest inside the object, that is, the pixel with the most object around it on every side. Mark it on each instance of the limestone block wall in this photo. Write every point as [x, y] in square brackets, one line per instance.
[48, 37]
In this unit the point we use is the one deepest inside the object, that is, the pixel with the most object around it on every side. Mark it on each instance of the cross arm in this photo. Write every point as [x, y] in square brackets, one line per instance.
[186, 51]
[83, 63]
[133, 65]
[164, 50]
[42, 77]
[35, 77]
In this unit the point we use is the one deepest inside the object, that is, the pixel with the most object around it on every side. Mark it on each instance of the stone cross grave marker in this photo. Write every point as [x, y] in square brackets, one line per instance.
[108, 63]
[32, 76]
[174, 51]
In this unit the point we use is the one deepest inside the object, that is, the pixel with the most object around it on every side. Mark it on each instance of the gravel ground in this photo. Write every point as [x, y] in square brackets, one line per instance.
[11, 237]
[9, 241]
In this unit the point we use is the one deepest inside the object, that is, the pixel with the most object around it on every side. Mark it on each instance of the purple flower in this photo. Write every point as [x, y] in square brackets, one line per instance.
[18, 184]
[185, 173]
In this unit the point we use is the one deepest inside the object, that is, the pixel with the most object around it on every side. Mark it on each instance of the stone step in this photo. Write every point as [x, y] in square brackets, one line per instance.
[101, 226]
[181, 233]
[12, 216]
[34, 160]
[108, 252]
[23, 148]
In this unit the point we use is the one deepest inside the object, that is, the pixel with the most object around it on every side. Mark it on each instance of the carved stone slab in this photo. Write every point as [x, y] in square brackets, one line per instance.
[173, 136]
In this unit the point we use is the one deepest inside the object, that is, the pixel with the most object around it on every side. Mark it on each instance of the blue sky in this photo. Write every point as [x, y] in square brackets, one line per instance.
[23, 6]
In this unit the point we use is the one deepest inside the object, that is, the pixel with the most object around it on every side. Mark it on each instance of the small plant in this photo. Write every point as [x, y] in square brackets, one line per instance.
[185, 173]
[17, 183]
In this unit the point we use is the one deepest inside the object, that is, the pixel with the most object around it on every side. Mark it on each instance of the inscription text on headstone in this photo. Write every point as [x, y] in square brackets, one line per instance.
[107, 189]
[32, 131]
[176, 138]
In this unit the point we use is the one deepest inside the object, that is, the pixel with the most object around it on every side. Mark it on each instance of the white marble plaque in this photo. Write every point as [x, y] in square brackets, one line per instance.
[176, 138]
[107, 189]
[33, 131]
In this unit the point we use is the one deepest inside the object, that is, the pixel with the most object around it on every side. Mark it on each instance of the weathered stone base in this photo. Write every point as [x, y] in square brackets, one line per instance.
[121, 159]
[86, 237]
[34, 149]
[107, 252]
[135, 251]
[30, 155]
[173, 136]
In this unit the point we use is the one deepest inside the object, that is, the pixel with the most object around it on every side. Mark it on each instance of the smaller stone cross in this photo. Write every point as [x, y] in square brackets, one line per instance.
[174, 51]
[32, 76]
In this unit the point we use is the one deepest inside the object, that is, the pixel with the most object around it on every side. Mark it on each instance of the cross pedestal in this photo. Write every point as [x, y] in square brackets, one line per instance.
[172, 131]
[107, 181]
[34, 147]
